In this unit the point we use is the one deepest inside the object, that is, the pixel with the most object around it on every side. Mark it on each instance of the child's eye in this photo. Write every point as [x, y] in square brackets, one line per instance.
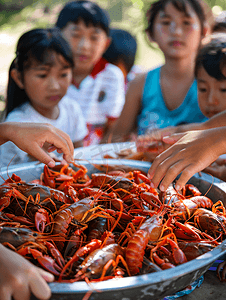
[166, 23]
[94, 38]
[223, 90]
[64, 74]
[41, 75]
[202, 90]
[187, 23]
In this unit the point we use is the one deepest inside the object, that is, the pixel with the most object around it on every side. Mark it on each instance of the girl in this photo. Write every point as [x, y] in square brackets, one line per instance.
[38, 80]
[167, 96]
[210, 71]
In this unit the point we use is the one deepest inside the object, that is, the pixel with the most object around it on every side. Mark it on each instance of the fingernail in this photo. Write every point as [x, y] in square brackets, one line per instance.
[51, 164]
[152, 185]
[162, 188]
[48, 277]
[177, 187]
[63, 162]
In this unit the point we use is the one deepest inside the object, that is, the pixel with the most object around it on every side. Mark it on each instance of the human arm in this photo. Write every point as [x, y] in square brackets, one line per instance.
[126, 123]
[30, 137]
[191, 152]
[19, 278]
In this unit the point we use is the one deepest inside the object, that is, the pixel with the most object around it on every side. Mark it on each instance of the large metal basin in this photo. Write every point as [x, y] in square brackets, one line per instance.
[150, 286]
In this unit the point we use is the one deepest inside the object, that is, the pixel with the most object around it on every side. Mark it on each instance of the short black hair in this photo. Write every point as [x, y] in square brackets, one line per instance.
[212, 56]
[89, 12]
[122, 48]
[200, 7]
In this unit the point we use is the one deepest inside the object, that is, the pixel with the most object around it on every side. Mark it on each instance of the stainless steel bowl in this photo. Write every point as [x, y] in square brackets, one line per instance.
[151, 286]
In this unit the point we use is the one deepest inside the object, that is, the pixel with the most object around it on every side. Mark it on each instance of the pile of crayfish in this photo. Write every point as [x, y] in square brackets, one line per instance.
[103, 226]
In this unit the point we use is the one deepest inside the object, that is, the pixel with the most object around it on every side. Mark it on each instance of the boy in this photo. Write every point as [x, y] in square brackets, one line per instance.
[97, 85]
[122, 53]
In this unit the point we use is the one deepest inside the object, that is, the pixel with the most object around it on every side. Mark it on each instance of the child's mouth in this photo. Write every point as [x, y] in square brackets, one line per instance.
[54, 98]
[176, 44]
[83, 57]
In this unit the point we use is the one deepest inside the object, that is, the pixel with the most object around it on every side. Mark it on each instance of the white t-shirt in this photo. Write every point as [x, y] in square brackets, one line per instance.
[100, 96]
[70, 120]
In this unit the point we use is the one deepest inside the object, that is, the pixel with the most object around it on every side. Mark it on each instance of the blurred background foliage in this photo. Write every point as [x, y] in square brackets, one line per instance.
[18, 16]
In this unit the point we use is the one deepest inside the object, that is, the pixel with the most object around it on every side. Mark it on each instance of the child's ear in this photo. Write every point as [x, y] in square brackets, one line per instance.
[108, 43]
[206, 30]
[16, 76]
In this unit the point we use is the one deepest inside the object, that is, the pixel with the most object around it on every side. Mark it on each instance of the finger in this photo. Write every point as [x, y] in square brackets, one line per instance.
[170, 174]
[39, 287]
[46, 275]
[186, 174]
[172, 138]
[41, 155]
[67, 139]
[158, 171]
[22, 292]
[65, 145]
[221, 161]
[158, 164]
[5, 294]
[51, 148]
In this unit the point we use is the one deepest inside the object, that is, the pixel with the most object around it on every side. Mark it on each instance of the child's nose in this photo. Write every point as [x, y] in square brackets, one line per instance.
[53, 83]
[176, 29]
[213, 99]
[84, 43]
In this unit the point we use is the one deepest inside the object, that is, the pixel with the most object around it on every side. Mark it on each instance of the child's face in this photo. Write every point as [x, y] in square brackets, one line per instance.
[177, 34]
[211, 93]
[46, 84]
[88, 44]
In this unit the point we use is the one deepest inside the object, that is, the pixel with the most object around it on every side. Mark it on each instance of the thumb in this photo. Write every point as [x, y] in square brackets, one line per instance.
[172, 138]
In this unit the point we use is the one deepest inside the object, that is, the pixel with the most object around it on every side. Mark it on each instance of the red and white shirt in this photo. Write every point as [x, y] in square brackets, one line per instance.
[101, 96]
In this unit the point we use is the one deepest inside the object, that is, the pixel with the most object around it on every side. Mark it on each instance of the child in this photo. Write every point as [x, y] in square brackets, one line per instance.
[97, 86]
[38, 81]
[122, 53]
[18, 277]
[167, 96]
[210, 71]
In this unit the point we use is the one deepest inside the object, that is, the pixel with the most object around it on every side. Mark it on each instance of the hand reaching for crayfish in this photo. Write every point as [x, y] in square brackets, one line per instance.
[192, 152]
[31, 137]
[19, 278]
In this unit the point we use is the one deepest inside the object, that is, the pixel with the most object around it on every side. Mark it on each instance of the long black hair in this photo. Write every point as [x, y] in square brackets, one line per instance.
[34, 45]
[201, 9]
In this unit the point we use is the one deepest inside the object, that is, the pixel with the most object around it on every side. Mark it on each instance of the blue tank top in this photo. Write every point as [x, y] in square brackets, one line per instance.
[154, 113]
